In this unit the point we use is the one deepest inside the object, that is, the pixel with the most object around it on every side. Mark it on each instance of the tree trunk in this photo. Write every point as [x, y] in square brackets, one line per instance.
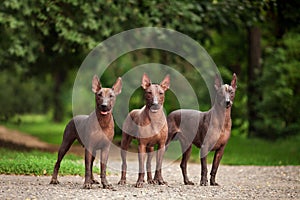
[254, 71]
[58, 112]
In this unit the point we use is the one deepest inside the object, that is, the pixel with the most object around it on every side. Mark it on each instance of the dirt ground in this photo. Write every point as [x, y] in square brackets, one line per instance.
[237, 182]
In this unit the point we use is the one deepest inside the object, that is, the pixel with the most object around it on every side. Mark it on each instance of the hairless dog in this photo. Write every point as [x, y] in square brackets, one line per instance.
[209, 130]
[149, 126]
[94, 131]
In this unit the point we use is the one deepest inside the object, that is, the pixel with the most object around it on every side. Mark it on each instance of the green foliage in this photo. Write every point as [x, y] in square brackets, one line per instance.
[42, 42]
[38, 163]
[21, 94]
[279, 85]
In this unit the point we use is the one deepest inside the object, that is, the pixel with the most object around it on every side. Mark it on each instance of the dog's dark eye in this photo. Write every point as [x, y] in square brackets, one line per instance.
[161, 93]
[111, 96]
[99, 94]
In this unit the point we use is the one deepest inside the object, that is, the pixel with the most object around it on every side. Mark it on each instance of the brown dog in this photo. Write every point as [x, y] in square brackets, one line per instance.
[209, 130]
[94, 131]
[149, 126]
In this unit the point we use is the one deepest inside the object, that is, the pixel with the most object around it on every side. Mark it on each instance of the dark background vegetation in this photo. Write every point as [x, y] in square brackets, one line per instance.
[44, 42]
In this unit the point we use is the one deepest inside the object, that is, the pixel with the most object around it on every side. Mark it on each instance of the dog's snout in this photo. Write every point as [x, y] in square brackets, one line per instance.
[104, 106]
[155, 101]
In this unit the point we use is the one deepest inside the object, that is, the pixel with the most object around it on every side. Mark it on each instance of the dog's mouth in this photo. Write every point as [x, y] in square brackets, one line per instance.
[154, 108]
[228, 104]
[104, 112]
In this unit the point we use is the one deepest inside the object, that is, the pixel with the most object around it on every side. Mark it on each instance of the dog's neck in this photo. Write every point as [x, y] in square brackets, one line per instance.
[154, 115]
[104, 120]
[221, 116]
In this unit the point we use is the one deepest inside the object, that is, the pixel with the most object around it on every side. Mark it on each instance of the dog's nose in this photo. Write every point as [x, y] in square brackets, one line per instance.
[227, 102]
[103, 106]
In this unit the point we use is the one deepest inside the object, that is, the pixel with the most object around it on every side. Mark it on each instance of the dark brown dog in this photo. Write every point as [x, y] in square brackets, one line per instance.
[94, 131]
[149, 126]
[209, 130]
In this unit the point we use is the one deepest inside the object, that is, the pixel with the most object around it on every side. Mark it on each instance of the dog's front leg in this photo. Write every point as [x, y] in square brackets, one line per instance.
[150, 151]
[142, 155]
[88, 165]
[183, 164]
[104, 158]
[159, 158]
[94, 181]
[126, 140]
[217, 158]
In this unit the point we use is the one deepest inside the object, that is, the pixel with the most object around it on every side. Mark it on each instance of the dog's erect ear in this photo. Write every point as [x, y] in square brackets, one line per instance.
[117, 87]
[217, 82]
[165, 84]
[96, 85]
[146, 82]
[233, 82]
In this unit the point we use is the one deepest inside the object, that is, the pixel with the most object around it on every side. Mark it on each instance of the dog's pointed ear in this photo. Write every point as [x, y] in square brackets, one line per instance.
[233, 81]
[146, 82]
[217, 82]
[117, 87]
[96, 85]
[165, 84]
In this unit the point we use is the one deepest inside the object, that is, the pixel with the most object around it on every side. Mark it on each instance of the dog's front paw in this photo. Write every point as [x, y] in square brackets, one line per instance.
[139, 184]
[151, 181]
[162, 182]
[87, 186]
[94, 181]
[213, 183]
[188, 182]
[122, 182]
[107, 186]
[54, 181]
[203, 182]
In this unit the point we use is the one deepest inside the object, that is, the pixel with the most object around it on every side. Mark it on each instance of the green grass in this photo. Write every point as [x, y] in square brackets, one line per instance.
[245, 151]
[239, 150]
[39, 163]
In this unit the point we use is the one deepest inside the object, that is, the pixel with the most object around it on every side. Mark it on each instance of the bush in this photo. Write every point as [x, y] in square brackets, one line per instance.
[278, 109]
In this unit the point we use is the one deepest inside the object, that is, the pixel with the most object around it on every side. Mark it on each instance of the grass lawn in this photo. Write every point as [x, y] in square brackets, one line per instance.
[245, 151]
[239, 150]
[39, 163]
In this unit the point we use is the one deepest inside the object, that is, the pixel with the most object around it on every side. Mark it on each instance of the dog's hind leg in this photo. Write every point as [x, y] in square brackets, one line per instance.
[126, 140]
[150, 152]
[68, 139]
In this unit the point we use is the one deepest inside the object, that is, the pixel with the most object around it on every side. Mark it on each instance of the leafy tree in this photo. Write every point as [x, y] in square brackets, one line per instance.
[279, 85]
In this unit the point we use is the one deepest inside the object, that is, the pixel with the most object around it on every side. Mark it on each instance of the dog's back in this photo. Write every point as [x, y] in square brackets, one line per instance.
[184, 125]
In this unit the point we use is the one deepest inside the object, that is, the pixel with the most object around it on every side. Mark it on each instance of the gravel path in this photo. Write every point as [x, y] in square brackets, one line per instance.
[237, 182]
